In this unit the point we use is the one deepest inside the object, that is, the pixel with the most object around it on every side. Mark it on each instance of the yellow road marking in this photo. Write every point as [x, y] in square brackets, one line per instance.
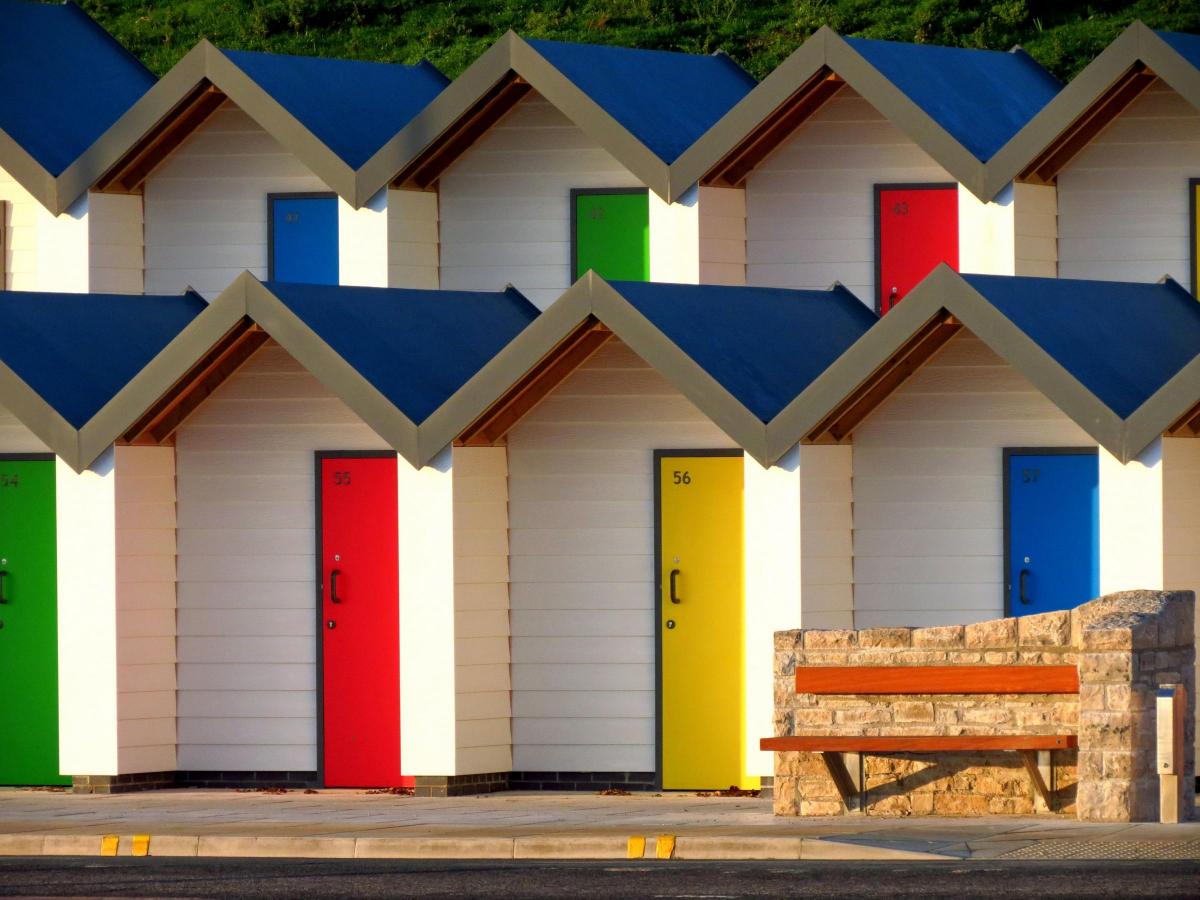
[108, 844]
[637, 847]
[664, 846]
[141, 845]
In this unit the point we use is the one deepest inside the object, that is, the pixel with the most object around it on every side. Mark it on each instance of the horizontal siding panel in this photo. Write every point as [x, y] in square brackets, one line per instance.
[247, 758]
[485, 705]
[239, 595]
[235, 622]
[584, 704]
[474, 679]
[209, 676]
[257, 649]
[195, 731]
[247, 704]
[476, 733]
[582, 569]
[590, 623]
[582, 541]
[585, 650]
[149, 704]
[581, 677]
[580, 596]
[594, 758]
[155, 732]
[584, 731]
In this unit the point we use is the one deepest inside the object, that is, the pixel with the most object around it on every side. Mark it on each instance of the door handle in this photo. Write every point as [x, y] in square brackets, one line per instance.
[674, 594]
[1022, 584]
[333, 594]
[3, 576]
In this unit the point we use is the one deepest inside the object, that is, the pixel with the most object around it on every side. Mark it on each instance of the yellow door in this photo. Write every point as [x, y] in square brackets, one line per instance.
[701, 612]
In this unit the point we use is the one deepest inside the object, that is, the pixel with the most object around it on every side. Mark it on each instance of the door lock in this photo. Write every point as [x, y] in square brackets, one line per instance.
[670, 624]
[331, 624]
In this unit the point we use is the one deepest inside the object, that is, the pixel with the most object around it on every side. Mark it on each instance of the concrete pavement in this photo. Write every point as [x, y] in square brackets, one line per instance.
[355, 824]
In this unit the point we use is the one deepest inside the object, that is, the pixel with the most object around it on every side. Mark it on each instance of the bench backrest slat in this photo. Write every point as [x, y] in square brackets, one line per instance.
[937, 680]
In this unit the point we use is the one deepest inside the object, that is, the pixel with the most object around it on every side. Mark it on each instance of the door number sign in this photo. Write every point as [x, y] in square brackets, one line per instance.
[683, 477]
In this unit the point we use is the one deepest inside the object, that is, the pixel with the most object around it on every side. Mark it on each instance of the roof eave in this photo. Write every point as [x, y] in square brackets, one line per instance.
[945, 290]
[30, 174]
[1063, 109]
[42, 419]
[746, 115]
[826, 49]
[512, 54]
[329, 368]
[205, 62]
[1161, 410]
[164, 371]
[504, 370]
[673, 363]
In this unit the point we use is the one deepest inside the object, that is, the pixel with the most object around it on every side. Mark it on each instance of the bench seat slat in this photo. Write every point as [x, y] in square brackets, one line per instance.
[937, 680]
[919, 743]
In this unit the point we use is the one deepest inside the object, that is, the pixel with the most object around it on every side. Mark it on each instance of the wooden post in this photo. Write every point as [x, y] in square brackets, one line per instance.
[1170, 706]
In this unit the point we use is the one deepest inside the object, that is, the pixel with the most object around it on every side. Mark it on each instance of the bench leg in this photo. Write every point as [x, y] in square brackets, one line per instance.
[846, 771]
[1039, 764]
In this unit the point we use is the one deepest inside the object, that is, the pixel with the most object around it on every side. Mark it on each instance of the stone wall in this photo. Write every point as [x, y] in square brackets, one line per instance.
[1124, 645]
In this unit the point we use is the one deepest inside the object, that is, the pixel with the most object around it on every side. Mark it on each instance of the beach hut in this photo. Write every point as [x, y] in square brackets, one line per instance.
[239, 160]
[1119, 151]
[865, 160]
[64, 82]
[87, 541]
[546, 159]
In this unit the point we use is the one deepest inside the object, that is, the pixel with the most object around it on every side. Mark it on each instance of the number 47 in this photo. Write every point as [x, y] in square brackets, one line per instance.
[682, 477]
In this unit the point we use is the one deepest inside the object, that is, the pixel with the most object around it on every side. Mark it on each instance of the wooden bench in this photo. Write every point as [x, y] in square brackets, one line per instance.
[1036, 750]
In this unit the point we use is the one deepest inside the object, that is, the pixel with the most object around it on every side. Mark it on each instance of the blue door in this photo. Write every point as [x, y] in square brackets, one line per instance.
[304, 239]
[1053, 530]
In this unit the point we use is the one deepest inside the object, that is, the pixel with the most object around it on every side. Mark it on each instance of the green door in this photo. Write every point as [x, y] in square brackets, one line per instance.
[611, 234]
[28, 623]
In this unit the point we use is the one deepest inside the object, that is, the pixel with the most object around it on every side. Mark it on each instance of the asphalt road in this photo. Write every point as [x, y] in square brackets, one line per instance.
[311, 879]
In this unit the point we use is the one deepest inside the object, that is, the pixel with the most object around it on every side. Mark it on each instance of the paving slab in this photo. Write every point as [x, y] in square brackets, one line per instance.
[353, 824]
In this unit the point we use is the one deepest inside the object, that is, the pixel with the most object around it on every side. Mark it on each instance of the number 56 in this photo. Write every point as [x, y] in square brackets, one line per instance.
[682, 477]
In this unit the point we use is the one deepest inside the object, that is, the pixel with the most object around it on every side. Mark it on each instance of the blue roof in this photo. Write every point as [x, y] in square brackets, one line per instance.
[64, 80]
[1186, 45]
[980, 97]
[666, 100]
[1121, 341]
[763, 345]
[77, 351]
[416, 347]
[353, 107]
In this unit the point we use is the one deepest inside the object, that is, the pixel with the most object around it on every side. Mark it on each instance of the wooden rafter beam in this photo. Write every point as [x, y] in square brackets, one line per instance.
[1187, 425]
[422, 172]
[160, 422]
[1045, 168]
[537, 383]
[915, 352]
[731, 171]
[132, 169]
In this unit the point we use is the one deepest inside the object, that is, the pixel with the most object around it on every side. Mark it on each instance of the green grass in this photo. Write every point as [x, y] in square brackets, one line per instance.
[1063, 36]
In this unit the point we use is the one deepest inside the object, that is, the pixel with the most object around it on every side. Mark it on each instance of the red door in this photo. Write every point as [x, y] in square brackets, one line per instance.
[917, 229]
[360, 622]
